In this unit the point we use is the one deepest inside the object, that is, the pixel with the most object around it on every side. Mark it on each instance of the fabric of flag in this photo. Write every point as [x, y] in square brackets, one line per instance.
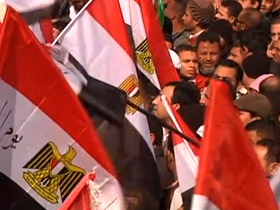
[152, 56]
[81, 195]
[41, 28]
[47, 141]
[230, 176]
[99, 41]
[185, 159]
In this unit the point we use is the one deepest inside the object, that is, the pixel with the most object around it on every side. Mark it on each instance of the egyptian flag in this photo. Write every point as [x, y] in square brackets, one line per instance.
[98, 40]
[152, 56]
[230, 176]
[186, 153]
[37, 13]
[83, 196]
[47, 140]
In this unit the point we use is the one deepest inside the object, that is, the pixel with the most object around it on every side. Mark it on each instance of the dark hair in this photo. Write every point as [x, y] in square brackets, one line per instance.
[234, 7]
[168, 38]
[167, 26]
[223, 28]
[254, 40]
[275, 20]
[231, 64]
[184, 47]
[266, 128]
[156, 129]
[256, 65]
[184, 93]
[208, 36]
[273, 150]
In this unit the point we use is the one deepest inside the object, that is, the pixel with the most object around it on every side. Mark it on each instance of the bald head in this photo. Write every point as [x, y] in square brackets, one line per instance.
[249, 18]
[270, 87]
[271, 84]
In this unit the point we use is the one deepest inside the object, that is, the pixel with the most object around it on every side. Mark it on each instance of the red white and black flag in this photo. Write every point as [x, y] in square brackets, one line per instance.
[47, 142]
[186, 154]
[98, 40]
[230, 176]
[151, 53]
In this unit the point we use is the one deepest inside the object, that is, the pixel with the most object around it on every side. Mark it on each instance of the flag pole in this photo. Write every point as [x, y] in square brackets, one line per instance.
[71, 23]
[164, 124]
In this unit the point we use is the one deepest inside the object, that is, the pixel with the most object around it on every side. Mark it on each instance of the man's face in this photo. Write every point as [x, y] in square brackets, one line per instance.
[208, 56]
[188, 20]
[245, 117]
[223, 14]
[169, 9]
[248, 3]
[266, 6]
[159, 109]
[261, 152]
[253, 136]
[237, 55]
[226, 73]
[275, 51]
[240, 22]
[275, 31]
[189, 63]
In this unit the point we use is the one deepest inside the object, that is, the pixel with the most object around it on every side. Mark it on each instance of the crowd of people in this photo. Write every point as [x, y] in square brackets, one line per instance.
[234, 41]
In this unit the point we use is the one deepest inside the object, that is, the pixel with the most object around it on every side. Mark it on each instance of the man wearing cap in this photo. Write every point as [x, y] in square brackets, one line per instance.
[198, 14]
[253, 107]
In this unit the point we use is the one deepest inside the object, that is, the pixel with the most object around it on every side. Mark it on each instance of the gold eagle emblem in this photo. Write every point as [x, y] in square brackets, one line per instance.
[144, 57]
[49, 171]
[130, 86]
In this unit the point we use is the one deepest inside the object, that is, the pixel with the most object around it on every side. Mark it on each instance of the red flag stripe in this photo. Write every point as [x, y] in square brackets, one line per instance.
[56, 104]
[79, 198]
[165, 69]
[229, 174]
[117, 31]
[47, 30]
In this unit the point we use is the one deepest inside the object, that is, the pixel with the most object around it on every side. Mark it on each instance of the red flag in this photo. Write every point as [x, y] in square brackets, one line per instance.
[47, 30]
[42, 28]
[47, 140]
[151, 52]
[165, 69]
[230, 176]
[102, 48]
[185, 158]
[80, 198]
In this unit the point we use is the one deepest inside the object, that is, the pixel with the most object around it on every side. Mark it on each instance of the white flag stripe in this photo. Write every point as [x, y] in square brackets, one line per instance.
[201, 202]
[186, 170]
[35, 137]
[103, 58]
